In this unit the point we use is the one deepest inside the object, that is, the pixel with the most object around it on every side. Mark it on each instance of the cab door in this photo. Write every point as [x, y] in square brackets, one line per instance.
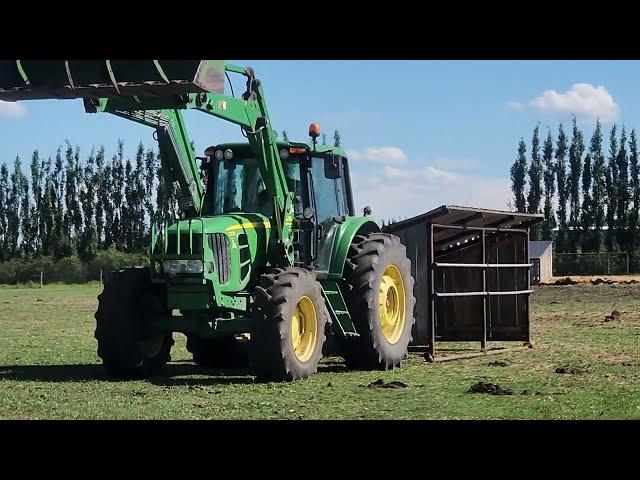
[329, 203]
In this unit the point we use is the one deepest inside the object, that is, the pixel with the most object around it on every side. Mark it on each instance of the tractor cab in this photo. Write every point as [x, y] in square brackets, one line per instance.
[317, 175]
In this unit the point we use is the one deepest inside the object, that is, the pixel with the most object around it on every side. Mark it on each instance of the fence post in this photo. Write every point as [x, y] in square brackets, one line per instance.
[41, 279]
[101, 277]
[627, 253]
[608, 264]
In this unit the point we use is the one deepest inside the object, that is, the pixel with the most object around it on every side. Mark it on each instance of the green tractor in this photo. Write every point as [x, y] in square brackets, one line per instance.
[265, 258]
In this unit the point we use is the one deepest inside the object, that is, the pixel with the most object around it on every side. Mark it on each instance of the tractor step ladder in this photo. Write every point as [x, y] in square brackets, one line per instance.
[337, 308]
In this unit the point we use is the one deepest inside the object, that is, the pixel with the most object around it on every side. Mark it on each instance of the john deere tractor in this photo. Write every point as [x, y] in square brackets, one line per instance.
[266, 256]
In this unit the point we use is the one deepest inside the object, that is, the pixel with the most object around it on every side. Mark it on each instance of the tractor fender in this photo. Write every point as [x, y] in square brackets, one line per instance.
[351, 227]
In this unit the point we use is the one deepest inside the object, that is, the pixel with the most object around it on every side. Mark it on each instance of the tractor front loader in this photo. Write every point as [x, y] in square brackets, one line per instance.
[266, 256]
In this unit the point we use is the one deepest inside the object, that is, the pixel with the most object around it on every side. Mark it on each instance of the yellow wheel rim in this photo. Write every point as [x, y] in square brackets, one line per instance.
[391, 304]
[304, 329]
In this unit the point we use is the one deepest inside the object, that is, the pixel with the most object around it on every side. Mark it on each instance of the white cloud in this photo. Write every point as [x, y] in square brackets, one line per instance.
[426, 174]
[381, 155]
[12, 109]
[401, 189]
[402, 193]
[455, 163]
[583, 100]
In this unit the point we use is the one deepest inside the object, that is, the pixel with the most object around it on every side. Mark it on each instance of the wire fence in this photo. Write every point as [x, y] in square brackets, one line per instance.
[601, 263]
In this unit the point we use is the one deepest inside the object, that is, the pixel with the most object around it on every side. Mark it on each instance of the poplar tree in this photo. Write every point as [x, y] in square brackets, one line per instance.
[336, 138]
[88, 242]
[622, 213]
[635, 191]
[98, 180]
[4, 197]
[586, 215]
[611, 182]
[36, 207]
[563, 194]
[518, 171]
[13, 209]
[549, 188]
[534, 195]
[576, 150]
[598, 189]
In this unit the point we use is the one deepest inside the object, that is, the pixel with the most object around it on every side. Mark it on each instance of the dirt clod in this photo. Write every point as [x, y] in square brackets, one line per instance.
[568, 370]
[565, 281]
[380, 383]
[599, 281]
[615, 315]
[498, 363]
[329, 384]
[490, 388]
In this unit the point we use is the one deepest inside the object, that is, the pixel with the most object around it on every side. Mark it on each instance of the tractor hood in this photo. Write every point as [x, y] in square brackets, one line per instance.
[230, 224]
[230, 247]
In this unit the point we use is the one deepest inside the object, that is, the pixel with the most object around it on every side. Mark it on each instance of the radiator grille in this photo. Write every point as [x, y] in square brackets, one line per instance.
[172, 244]
[219, 244]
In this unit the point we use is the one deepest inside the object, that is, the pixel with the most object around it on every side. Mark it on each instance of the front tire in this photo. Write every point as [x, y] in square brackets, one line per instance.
[125, 345]
[288, 329]
[379, 295]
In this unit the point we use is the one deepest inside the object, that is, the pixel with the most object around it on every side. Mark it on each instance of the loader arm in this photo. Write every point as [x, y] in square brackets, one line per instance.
[157, 104]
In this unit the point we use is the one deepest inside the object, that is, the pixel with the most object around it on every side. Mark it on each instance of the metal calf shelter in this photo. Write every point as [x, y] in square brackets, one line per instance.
[471, 269]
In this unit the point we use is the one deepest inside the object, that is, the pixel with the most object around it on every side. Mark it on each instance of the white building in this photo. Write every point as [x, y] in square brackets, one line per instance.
[541, 256]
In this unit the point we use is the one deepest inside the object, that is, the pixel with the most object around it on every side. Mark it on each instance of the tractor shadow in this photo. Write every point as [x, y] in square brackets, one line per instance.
[176, 373]
[172, 375]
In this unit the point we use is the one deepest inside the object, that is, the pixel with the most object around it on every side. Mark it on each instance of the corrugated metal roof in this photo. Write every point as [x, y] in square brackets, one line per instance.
[466, 216]
[538, 247]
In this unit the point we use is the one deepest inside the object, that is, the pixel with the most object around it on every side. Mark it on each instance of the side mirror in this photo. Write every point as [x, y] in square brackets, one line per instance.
[333, 167]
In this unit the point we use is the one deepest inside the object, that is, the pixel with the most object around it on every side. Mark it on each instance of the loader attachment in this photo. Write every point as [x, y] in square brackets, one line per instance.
[67, 79]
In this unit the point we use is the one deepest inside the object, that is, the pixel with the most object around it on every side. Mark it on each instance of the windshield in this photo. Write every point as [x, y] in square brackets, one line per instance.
[237, 186]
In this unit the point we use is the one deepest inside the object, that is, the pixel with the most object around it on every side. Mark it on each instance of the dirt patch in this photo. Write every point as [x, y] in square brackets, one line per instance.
[489, 388]
[498, 363]
[615, 316]
[600, 281]
[565, 281]
[567, 370]
[380, 383]
[621, 359]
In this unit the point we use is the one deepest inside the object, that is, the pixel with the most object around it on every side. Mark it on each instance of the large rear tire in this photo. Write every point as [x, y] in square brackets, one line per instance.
[378, 290]
[288, 330]
[125, 345]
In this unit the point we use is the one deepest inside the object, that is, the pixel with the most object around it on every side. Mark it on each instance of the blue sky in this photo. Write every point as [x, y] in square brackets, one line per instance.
[419, 133]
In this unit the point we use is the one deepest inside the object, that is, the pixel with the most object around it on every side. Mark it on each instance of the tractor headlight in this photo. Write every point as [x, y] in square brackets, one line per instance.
[173, 267]
[195, 266]
[219, 155]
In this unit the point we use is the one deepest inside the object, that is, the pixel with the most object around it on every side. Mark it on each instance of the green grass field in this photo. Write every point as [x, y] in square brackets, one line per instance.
[49, 370]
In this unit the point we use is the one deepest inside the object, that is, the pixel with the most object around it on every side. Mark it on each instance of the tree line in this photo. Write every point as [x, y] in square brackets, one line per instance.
[63, 206]
[590, 197]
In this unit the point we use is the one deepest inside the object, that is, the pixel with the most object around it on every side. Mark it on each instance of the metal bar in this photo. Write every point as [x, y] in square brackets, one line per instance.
[514, 292]
[178, 243]
[480, 294]
[488, 229]
[483, 343]
[484, 265]
[526, 253]
[464, 356]
[165, 236]
[431, 353]
[190, 239]
[459, 294]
